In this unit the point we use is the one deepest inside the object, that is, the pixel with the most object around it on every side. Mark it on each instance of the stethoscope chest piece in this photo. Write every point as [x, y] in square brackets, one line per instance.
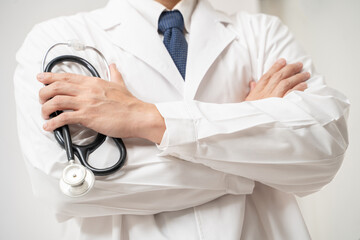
[76, 180]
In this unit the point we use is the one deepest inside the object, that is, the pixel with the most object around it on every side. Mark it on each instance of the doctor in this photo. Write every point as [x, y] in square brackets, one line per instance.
[221, 131]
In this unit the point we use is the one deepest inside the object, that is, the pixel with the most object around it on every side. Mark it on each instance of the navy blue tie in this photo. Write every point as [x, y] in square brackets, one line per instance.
[171, 24]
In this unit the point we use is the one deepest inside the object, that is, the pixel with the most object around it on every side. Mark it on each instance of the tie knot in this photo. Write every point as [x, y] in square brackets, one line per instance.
[171, 19]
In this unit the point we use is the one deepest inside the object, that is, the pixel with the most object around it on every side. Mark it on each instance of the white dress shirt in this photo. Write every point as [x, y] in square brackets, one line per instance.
[226, 168]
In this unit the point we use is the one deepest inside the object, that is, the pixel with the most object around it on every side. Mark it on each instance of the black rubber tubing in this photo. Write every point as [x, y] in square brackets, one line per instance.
[62, 134]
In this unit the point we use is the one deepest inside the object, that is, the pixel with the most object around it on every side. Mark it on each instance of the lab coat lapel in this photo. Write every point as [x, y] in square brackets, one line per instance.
[138, 37]
[208, 38]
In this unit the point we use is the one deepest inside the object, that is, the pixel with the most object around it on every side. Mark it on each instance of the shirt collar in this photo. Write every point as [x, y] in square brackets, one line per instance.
[151, 10]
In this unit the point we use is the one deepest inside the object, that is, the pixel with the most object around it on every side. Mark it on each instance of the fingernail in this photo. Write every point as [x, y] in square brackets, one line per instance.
[300, 64]
[281, 61]
[307, 74]
[40, 76]
[45, 126]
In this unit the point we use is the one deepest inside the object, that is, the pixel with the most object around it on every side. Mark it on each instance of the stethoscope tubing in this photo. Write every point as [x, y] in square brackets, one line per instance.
[78, 47]
[62, 134]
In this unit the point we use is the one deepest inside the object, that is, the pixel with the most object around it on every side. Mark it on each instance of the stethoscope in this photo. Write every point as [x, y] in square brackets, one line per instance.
[78, 179]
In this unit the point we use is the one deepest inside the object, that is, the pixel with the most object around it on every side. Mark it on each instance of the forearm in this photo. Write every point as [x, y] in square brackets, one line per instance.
[140, 187]
[107, 198]
[294, 143]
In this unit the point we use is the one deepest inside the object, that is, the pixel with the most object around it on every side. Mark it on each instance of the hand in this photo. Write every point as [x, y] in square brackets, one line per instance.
[106, 107]
[279, 81]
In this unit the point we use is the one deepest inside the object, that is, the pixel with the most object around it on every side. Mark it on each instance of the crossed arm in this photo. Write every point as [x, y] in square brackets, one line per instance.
[303, 134]
[109, 108]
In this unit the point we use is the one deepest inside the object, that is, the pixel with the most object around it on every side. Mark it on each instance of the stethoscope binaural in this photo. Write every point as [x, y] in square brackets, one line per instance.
[78, 179]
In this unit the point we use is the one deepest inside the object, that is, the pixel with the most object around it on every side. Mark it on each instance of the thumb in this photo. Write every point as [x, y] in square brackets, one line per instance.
[252, 85]
[115, 75]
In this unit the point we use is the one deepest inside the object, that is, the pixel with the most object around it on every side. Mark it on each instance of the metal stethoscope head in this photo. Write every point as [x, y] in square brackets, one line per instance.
[78, 179]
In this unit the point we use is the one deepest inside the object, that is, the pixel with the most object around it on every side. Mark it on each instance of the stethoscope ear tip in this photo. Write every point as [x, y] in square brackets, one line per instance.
[76, 180]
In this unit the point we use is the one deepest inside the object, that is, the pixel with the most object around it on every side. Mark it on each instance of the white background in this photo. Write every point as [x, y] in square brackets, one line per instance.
[329, 31]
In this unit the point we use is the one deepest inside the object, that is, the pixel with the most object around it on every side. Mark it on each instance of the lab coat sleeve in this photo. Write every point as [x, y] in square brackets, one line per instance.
[151, 189]
[295, 144]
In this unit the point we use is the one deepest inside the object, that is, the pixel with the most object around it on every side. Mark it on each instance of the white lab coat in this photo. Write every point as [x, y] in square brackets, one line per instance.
[225, 169]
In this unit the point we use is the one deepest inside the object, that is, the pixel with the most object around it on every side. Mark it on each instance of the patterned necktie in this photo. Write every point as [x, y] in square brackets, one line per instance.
[171, 25]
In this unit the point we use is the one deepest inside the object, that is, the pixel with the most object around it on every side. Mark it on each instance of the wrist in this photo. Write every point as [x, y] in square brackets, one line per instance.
[151, 125]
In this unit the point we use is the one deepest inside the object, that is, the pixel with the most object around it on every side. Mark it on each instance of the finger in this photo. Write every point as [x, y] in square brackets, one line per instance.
[252, 85]
[57, 88]
[300, 87]
[277, 66]
[288, 71]
[116, 75]
[298, 78]
[59, 103]
[62, 119]
[287, 84]
[48, 78]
